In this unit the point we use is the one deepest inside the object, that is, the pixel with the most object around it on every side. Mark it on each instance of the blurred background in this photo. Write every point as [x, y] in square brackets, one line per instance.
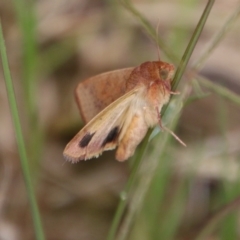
[179, 193]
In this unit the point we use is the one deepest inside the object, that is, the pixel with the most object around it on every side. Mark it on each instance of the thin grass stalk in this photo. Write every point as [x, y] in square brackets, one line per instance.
[198, 65]
[211, 222]
[220, 90]
[174, 215]
[229, 224]
[150, 30]
[27, 23]
[20, 141]
[137, 197]
[217, 39]
[148, 171]
[177, 77]
[124, 195]
[26, 17]
[188, 52]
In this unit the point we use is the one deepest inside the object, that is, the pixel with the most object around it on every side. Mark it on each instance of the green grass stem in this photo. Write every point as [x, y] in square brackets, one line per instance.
[26, 18]
[220, 90]
[150, 30]
[188, 52]
[20, 141]
[217, 39]
[124, 195]
[211, 222]
[178, 75]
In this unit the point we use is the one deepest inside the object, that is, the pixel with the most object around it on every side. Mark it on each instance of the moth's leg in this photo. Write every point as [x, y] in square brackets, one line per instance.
[134, 134]
[167, 129]
[159, 118]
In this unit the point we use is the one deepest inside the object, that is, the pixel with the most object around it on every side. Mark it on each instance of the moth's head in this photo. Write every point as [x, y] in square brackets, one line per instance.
[165, 71]
[158, 72]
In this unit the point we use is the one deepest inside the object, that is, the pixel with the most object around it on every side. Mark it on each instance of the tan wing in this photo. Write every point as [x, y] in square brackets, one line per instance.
[96, 93]
[102, 132]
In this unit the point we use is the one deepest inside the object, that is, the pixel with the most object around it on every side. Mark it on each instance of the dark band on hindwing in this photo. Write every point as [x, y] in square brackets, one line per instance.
[112, 135]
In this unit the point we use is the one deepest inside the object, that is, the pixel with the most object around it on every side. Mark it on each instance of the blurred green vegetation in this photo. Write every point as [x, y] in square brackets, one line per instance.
[172, 192]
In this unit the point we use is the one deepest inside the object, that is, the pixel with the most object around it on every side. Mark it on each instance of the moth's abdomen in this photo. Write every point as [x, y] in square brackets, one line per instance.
[132, 137]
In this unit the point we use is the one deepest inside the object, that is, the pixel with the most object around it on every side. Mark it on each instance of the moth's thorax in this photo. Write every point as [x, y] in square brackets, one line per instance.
[155, 80]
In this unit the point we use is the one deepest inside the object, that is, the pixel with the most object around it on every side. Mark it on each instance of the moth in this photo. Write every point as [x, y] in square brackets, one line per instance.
[119, 108]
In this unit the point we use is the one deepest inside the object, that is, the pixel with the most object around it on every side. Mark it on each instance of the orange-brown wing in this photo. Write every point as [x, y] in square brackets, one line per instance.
[96, 93]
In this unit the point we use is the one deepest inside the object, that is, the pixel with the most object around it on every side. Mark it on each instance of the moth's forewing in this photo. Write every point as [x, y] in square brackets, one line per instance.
[96, 93]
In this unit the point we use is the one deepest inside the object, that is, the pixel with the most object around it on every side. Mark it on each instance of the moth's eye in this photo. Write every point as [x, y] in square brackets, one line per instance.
[163, 74]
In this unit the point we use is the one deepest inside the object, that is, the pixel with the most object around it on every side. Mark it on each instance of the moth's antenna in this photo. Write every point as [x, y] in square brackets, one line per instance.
[158, 50]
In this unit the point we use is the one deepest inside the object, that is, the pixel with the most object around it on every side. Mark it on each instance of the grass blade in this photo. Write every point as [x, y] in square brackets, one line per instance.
[186, 56]
[124, 194]
[20, 141]
[26, 16]
[178, 75]
[220, 90]
[150, 30]
[218, 37]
